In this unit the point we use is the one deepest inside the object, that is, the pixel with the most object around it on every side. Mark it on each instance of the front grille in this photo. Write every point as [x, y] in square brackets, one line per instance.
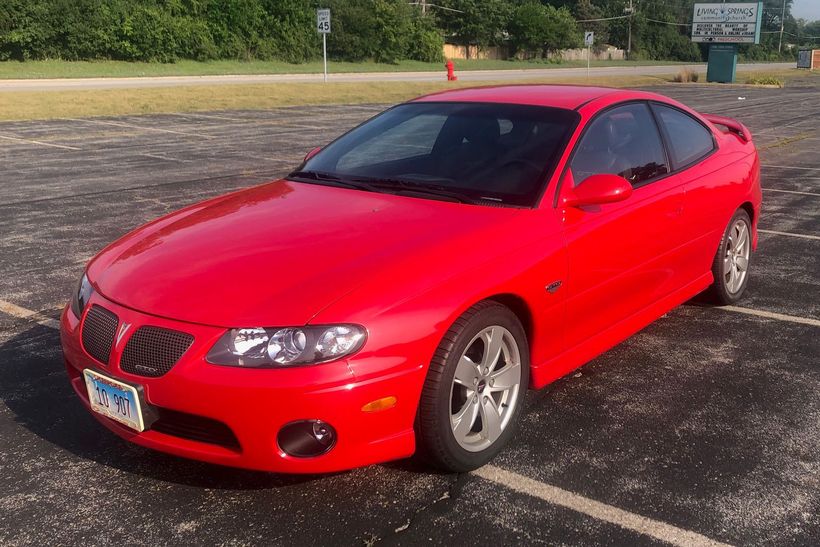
[195, 428]
[99, 329]
[152, 351]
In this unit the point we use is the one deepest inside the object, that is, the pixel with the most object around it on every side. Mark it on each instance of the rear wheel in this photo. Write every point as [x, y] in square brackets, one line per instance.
[475, 388]
[730, 266]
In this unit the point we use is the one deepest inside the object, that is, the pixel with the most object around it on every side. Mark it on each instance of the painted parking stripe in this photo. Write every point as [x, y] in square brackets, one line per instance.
[771, 315]
[23, 313]
[41, 143]
[142, 127]
[166, 158]
[790, 167]
[595, 509]
[789, 234]
[790, 192]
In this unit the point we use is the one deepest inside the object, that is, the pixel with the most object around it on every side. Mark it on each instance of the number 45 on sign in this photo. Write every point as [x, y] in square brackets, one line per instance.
[323, 27]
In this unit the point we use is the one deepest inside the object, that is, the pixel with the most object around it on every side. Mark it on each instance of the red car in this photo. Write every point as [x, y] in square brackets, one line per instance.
[404, 287]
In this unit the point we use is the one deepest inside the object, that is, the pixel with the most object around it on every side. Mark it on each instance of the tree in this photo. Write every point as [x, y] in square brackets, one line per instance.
[477, 22]
[538, 28]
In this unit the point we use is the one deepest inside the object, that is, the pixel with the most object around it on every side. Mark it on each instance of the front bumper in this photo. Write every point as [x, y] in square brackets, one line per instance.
[255, 404]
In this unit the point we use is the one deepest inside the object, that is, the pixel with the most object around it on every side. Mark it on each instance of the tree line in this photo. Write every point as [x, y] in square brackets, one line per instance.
[379, 30]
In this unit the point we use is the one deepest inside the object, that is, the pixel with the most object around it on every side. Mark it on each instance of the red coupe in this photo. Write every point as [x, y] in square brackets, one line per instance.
[405, 286]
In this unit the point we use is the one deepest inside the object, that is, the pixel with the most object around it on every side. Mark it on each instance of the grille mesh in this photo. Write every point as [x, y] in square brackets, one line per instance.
[152, 351]
[99, 329]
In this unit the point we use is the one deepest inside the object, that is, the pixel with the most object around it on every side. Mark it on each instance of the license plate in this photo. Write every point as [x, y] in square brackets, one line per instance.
[114, 399]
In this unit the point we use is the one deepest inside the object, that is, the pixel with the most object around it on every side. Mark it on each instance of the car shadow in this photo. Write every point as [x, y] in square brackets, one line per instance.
[35, 389]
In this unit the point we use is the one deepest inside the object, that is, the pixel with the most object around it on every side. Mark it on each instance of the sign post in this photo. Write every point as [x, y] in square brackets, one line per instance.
[589, 37]
[323, 27]
[723, 26]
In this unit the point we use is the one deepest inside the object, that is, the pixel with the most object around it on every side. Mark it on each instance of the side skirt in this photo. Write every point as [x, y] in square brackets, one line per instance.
[561, 365]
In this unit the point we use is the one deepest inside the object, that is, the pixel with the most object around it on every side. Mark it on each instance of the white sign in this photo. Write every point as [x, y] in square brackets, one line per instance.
[323, 21]
[589, 37]
[737, 23]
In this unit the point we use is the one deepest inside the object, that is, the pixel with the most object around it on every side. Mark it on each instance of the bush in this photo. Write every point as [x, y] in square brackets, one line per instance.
[765, 80]
[685, 75]
[426, 45]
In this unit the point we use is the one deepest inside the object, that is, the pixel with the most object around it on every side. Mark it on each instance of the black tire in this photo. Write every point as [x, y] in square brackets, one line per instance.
[436, 440]
[719, 293]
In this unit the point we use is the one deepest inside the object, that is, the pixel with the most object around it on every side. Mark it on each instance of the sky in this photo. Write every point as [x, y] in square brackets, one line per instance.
[806, 9]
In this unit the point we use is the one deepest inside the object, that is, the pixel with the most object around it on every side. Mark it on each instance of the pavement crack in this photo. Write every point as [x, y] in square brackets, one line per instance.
[436, 507]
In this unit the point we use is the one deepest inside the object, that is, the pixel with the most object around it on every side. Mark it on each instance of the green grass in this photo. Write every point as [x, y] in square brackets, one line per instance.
[103, 69]
[27, 105]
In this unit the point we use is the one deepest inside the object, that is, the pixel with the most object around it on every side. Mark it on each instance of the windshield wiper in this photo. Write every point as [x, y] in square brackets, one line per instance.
[333, 180]
[402, 185]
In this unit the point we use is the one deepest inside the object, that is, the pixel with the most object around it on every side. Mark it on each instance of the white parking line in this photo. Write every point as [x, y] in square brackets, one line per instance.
[789, 234]
[158, 157]
[790, 192]
[142, 127]
[595, 509]
[16, 311]
[771, 315]
[29, 141]
[790, 167]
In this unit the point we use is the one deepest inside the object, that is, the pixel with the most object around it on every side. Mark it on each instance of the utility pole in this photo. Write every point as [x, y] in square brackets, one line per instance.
[630, 10]
[782, 21]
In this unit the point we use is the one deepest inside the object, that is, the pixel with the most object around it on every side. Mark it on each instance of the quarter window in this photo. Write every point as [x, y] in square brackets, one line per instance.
[688, 139]
[623, 141]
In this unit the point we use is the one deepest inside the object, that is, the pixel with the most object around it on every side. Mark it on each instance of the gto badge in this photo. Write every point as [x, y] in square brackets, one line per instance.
[554, 286]
[123, 329]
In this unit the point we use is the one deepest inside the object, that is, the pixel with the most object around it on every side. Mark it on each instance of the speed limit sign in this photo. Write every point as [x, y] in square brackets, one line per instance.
[323, 21]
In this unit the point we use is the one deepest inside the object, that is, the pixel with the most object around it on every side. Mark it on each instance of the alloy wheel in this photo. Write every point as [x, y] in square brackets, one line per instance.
[736, 259]
[485, 389]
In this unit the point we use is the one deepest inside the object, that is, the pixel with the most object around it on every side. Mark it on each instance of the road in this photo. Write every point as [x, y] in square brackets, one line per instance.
[471, 76]
[702, 428]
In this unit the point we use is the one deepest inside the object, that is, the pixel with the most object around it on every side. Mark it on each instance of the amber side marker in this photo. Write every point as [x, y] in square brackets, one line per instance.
[380, 404]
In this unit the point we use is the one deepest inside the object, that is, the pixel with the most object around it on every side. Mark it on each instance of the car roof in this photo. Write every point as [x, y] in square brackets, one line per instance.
[558, 96]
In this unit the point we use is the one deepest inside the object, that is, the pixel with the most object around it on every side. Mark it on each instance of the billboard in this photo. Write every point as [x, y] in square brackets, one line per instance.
[733, 23]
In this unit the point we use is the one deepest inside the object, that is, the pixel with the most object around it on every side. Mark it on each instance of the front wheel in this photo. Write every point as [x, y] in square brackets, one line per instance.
[730, 267]
[474, 392]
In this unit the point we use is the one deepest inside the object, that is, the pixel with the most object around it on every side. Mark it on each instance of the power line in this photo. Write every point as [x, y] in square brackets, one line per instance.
[603, 19]
[669, 23]
[426, 5]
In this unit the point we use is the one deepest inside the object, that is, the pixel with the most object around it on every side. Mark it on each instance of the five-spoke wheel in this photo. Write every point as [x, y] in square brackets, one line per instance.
[485, 388]
[474, 392]
[730, 267]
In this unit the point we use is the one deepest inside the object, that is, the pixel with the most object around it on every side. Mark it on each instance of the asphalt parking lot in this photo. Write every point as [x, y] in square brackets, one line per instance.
[704, 427]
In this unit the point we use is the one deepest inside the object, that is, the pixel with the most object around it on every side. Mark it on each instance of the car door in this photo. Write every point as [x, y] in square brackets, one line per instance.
[706, 178]
[621, 255]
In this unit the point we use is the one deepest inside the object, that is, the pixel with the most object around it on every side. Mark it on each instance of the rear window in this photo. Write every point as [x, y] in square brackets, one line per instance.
[688, 139]
[486, 151]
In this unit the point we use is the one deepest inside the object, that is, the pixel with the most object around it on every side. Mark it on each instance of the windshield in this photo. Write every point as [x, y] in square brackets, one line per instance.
[469, 152]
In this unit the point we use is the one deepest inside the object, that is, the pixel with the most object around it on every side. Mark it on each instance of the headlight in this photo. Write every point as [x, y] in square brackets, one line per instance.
[82, 294]
[277, 347]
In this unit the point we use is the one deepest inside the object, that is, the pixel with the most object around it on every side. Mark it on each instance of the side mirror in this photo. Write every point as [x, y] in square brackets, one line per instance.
[599, 189]
[312, 153]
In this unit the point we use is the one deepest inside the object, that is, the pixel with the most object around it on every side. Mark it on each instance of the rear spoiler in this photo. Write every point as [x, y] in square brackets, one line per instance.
[732, 125]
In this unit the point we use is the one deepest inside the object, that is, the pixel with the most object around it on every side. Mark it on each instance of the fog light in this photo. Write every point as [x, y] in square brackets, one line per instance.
[307, 438]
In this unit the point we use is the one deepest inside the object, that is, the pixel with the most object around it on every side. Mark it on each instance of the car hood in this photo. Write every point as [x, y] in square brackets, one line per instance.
[277, 254]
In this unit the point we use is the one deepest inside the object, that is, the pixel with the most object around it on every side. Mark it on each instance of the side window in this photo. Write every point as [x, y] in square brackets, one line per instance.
[622, 141]
[688, 139]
